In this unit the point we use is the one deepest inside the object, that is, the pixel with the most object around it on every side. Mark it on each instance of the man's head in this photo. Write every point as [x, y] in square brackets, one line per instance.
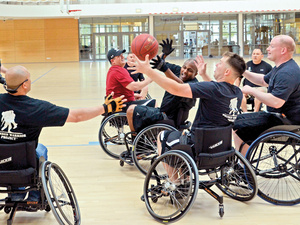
[257, 56]
[115, 57]
[281, 49]
[18, 80]
[230, 67]
[130, 58]
[188, 70]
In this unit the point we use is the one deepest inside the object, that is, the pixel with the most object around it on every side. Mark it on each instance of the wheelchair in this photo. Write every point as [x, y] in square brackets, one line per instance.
[275, 158]
[114, 134]
[144, 147]
[21, 172]
[173, 180]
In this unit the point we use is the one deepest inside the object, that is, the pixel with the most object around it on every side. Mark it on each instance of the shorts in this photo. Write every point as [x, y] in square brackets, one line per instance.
[144, 102]
[169, 140]
[249, 126]
[144, 116]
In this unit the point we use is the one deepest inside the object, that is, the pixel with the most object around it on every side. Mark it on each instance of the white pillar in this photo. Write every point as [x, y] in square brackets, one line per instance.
[151, 25]
[241, 33]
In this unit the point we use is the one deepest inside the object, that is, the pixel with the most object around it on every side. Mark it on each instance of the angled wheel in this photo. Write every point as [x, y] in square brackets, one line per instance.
[60, 195]
[238, 179]
[112, 134]
[144, 149]
[172, 192]
[275, 158]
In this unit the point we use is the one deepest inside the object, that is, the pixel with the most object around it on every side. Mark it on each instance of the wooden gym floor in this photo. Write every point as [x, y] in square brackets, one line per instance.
[108, 193]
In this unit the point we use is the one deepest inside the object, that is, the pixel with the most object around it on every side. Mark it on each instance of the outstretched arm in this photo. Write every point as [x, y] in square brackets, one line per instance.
[110, 105]
[171, 86]
[255, 78]
[266, 98]
[136, 86]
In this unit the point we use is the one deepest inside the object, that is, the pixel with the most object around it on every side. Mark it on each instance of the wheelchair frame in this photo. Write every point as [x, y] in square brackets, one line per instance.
[168, 202]
[56, 192]
[120, 134]
[275, 158]
[172, 181]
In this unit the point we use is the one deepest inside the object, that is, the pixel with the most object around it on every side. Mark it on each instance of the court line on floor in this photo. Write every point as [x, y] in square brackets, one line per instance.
[92, 143]
[43, 75]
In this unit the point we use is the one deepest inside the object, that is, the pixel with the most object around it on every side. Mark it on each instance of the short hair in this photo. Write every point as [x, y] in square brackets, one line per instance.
[236, 62]
[191, 61]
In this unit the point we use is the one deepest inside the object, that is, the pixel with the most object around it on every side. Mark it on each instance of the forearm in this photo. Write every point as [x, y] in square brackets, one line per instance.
[255, 78]
[268, 99]
[79, 115]
[205, 77]
[168, 84]
[172, 76]
[136, 86]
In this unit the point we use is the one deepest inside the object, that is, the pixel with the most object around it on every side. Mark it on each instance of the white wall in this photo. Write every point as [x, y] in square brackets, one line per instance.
[92, 10]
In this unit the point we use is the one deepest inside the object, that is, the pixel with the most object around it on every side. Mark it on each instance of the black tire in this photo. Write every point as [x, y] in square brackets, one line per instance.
[165, 200]
[275, 158]
[112, 134]
[60, 195]
[238, 179]
[144, 148]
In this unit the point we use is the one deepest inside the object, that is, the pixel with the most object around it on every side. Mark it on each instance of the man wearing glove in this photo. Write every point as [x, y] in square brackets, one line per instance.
[23, 117]
[141, 116]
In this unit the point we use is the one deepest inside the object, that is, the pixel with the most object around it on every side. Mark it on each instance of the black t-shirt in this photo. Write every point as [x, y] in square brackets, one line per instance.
[284, 83]
[172, 103]
[219, 103]
[23, 117]
[262, 68]
[136, 77]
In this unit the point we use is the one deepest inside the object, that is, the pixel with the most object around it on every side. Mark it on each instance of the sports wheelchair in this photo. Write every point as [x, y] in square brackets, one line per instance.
[115, 133]
[20, 172]
[275, 158]
[173, 180]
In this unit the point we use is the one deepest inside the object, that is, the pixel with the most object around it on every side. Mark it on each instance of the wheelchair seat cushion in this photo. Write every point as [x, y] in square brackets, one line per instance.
[213, 160]
[144, 116]
[17, 177]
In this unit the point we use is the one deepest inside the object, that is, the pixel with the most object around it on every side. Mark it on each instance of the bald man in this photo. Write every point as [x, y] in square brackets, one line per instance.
[283, 95]
[23, 117]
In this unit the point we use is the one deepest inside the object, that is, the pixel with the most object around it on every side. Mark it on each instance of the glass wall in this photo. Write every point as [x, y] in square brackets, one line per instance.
[259, 29]
[98, 35]
[209, 35]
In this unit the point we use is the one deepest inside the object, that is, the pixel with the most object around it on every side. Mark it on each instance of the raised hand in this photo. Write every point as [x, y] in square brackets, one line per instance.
[167, 47]
[159, 64]
[112, 105]
[200, 64]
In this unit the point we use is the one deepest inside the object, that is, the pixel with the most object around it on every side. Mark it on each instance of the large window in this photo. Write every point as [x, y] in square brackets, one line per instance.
[98, 35]
[198, 34]
[259, 29]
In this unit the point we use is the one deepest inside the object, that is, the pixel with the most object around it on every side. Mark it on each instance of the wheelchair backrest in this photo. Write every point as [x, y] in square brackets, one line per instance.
[213, 140]
[18, 156]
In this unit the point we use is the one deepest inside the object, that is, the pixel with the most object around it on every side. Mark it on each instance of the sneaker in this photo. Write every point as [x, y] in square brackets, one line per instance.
[34, 196]
[17, 197]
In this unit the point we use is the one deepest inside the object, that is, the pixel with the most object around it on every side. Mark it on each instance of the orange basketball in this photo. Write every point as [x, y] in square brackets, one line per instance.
[144, 44]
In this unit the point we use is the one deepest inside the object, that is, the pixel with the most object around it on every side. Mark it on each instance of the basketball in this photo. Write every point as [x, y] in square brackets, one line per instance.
[144, 44]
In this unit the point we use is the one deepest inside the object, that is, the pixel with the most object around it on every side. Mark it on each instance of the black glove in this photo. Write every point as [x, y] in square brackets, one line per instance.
[112, 105]
[167, 47]
[159, 64]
